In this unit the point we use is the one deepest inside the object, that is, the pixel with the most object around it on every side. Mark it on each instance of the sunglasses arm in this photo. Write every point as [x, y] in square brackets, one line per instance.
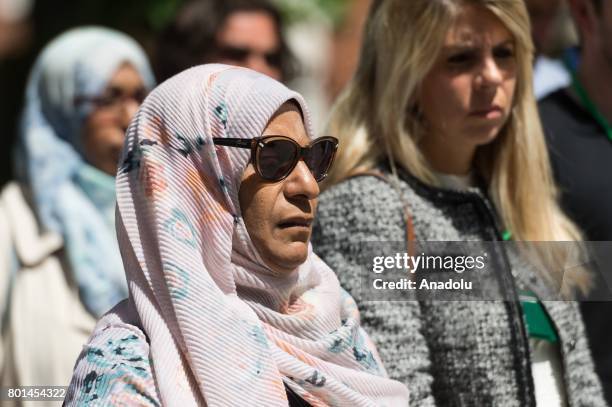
[233, 142]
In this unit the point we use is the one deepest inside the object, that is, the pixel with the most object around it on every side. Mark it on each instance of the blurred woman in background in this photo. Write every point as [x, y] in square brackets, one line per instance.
[440, 141]
[61, 266]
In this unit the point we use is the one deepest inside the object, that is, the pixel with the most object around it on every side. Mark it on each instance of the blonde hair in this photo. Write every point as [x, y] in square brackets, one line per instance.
[375, 121]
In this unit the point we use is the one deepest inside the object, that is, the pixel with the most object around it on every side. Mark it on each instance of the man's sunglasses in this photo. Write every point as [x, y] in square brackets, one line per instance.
[274, 157]
[241, 54]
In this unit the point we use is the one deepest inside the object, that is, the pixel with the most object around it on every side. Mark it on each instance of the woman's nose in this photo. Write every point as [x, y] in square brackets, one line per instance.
[128, 110]
[490, 73]
[301, 182]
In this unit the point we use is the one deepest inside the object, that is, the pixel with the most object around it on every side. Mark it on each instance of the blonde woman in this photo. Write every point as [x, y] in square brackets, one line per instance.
[441, 109]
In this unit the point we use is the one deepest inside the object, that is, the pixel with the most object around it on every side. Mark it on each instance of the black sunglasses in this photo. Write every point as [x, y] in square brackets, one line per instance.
[274, 157]
[241, 54]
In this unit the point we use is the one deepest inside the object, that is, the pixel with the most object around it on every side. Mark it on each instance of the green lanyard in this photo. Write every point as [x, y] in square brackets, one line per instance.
[539, 325]
[589, 105]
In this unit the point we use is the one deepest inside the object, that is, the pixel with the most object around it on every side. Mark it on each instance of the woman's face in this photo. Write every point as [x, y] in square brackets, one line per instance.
[467, 96]
[279, 215]
[104, 128]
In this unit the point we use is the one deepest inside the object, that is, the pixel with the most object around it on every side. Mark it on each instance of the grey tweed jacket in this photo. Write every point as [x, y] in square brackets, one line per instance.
[460, 353]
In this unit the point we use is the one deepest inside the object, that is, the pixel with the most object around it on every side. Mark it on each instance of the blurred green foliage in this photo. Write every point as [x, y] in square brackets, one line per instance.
[160, 12]
[298, 10]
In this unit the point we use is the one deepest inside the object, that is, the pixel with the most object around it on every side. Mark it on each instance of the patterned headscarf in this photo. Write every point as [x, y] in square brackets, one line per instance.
[71, 197]
[224, 329]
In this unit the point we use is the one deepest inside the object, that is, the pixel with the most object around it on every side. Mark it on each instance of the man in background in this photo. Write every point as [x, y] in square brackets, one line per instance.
[577, 121]
[549, 74]
[246, 33]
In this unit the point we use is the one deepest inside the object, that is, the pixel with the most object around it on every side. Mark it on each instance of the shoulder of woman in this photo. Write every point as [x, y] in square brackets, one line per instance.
[114, 366]
[20, 226]
[367, 192]
[360, 208]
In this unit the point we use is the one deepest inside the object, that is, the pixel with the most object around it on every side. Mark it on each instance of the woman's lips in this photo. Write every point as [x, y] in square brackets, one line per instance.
[296, 222]
[492, 112]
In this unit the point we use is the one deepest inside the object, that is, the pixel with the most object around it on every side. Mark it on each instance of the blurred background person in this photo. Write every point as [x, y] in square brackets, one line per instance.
[345, 43]
[324, 36]
[542, 15]
[246, 33]
[440, 141]
[549, 73]
[59, 254]
[15, 29]
[578, 124]
[289, 41]
[15, 40]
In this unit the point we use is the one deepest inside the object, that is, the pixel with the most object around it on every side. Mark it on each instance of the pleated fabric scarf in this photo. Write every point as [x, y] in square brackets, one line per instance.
[224, 329]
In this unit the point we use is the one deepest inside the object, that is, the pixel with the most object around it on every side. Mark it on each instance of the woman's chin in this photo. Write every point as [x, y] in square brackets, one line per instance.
[289, 256]
[483, 135]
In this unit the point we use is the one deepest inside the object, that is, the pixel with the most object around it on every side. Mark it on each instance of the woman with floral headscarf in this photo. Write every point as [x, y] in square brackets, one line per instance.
[228, 304]
[61, 265]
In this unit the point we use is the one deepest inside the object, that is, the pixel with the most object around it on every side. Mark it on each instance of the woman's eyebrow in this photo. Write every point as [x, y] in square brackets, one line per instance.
[509, 41]
[471, 45]
[460, 47]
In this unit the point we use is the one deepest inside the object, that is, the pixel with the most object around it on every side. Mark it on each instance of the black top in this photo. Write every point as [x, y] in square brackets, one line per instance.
[581, 156]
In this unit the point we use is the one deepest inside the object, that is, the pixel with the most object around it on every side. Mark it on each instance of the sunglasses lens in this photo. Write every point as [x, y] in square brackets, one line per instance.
[320, 158]
[276, 158]
[236, 54]
[274, 59]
